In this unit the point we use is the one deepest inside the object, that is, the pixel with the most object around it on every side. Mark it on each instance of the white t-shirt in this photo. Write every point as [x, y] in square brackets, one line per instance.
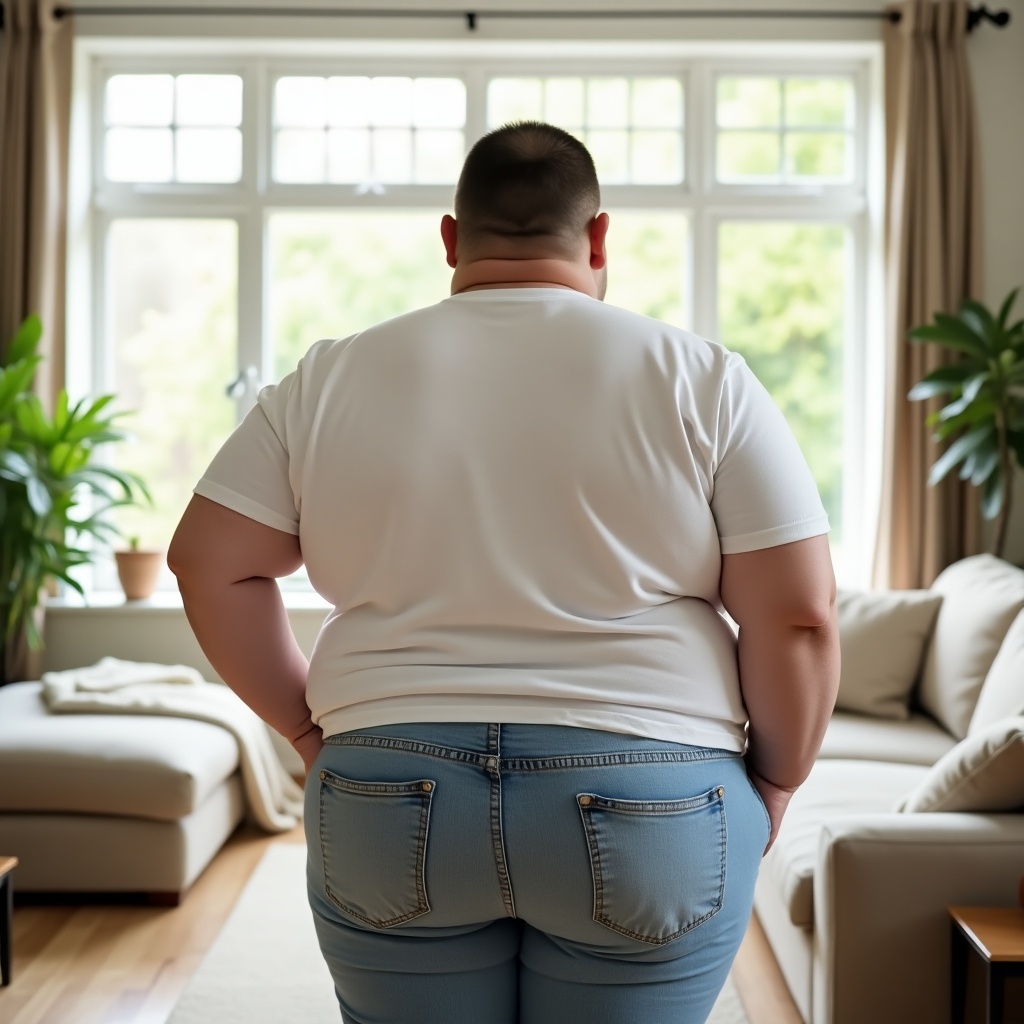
[516, 501]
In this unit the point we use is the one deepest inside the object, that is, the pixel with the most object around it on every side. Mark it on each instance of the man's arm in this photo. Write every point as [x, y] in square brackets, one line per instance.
[784, 601]
[227, 566]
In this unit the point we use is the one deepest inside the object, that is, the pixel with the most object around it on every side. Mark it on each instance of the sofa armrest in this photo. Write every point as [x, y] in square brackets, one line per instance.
[881, 887]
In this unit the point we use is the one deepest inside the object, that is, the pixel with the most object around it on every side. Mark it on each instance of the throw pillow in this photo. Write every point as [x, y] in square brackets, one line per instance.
[982, 596]
[1002, 693]
[983, 773]
[882, 637]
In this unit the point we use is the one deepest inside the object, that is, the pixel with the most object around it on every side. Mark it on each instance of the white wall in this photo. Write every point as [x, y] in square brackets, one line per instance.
[997, 66]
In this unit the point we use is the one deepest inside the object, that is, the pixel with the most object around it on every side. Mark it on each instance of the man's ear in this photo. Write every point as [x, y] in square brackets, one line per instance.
[598, 230]
[450, 237]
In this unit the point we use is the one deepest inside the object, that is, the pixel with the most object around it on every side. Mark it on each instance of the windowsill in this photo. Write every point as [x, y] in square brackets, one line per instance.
[162, 601]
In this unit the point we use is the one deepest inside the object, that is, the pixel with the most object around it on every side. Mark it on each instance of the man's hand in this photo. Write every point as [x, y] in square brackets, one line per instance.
[776, 800]
[309, 745]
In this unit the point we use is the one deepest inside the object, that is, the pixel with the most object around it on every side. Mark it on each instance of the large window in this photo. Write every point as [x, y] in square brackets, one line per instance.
[239, 209]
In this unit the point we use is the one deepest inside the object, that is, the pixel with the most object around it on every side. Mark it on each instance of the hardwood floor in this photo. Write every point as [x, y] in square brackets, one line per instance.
[95, 964]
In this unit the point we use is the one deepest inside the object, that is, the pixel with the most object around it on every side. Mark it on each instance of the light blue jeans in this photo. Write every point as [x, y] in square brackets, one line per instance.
[493, 874]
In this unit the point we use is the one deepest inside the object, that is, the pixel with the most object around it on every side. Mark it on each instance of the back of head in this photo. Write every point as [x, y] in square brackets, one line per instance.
[528, 184]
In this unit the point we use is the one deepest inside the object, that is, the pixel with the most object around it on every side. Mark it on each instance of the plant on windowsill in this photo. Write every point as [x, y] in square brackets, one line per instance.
[984, 413]
[53, 496]
[138, 569]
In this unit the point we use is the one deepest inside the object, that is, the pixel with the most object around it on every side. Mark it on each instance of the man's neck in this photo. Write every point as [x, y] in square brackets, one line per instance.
[523, 273]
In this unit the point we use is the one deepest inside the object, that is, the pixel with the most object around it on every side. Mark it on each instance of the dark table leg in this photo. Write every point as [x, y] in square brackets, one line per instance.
[994, 988]
[958, 972]
[6, 916]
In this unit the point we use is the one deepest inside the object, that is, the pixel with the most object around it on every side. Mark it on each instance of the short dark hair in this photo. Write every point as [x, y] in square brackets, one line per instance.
[527, 181]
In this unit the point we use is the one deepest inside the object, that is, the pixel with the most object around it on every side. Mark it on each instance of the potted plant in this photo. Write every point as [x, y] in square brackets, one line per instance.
[984, 412]
[53, 495]
[138, 569]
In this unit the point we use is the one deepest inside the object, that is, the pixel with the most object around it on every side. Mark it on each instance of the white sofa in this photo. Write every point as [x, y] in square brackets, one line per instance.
[112, 803]
[913, 805]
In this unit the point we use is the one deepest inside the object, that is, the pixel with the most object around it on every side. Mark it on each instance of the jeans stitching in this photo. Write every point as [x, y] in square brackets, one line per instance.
[497, 836]
[595, 860]
[406, 789]
[527, 764]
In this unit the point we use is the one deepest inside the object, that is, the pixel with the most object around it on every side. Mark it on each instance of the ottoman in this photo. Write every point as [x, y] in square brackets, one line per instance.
[97, 803]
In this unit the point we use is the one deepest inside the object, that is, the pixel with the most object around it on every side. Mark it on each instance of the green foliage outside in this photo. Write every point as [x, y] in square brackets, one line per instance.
[781, 289]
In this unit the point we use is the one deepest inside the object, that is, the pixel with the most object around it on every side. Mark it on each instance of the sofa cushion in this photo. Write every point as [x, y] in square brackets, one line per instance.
[983, 773]
[981, 598]
[1002, 693]
[919, 740]
[835, 788]
[135, 765]
[882, 635]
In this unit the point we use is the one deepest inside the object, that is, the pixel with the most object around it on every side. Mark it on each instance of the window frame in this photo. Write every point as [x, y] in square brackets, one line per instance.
[706, 203]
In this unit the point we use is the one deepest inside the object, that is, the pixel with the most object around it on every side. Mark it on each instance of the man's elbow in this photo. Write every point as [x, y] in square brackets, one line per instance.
[816, 609]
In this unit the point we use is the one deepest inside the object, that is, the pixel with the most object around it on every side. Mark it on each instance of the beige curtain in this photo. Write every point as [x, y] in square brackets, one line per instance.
[933, 260]
[35, 102]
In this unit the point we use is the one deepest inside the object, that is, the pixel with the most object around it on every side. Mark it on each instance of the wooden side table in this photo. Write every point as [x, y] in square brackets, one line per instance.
[996, 935]
[7, 864]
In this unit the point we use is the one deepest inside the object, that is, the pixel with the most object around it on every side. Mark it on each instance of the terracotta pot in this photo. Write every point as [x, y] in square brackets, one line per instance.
[138, 572]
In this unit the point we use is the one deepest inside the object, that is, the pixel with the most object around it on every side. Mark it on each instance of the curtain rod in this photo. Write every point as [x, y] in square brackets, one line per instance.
[975, 15]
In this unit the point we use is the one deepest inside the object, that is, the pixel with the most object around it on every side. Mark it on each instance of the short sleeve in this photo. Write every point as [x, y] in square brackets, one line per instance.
[764, 492]
[250, 474]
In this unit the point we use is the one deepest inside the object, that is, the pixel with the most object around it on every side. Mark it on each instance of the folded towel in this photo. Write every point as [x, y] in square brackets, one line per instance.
[113, 686]
[113, 673]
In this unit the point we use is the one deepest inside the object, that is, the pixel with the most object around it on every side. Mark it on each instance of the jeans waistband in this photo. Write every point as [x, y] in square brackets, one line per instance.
[518, 747]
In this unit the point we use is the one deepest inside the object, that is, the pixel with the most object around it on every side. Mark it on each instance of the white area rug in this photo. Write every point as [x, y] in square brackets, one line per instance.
[265, 966]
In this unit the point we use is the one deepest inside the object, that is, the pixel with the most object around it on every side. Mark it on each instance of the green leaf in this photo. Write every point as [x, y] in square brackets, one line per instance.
[959, 450]
[14, 467]
[951, 333]
[980, 320]
[26, 338]
[1004, 310]
[992, 496]
[944, 379]
[38, 496]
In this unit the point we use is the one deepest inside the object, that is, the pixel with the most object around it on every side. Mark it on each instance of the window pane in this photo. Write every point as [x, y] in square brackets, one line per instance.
[439, 156]
[173, 289]
[781, 303]
[819, 102]
[391, 101]
[209, 154]
[647, 263]
[140, 100]
[610, 151]
[338, 272]
[300, 102]
[139, 154]
[348, 155]
[817, 155]
[439, 103]
[608, 102]
[657, 103]
[348, 102]
[392, 155]
[209, 99]
[300, 155]
[745, 156]
[514, 99]
[657, 158]
[745, 102]
[563, 102]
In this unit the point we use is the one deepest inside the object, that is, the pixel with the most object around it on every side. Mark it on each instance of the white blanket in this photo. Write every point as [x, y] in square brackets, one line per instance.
[112, 686]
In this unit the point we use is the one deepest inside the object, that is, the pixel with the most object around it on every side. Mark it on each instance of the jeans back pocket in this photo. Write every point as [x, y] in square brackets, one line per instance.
[373, 838]
[658, 865]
